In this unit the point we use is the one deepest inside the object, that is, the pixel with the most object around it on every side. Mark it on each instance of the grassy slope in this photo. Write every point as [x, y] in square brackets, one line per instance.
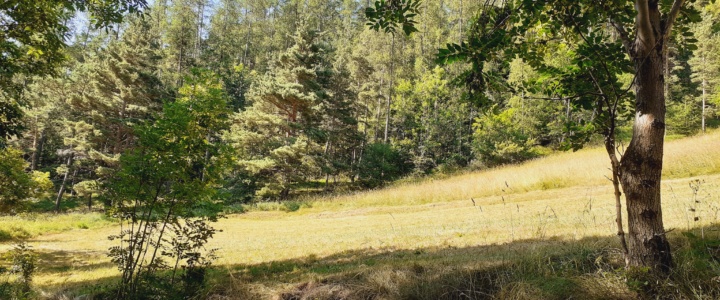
[560, 198]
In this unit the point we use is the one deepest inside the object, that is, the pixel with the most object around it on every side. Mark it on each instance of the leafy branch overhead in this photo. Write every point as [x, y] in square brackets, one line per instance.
[388, 15]
[33, 35]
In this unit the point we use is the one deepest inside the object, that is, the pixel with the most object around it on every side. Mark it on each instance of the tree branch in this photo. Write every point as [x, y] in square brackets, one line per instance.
[565, 98]
[624, 37]
[672, 16]
[645, 32]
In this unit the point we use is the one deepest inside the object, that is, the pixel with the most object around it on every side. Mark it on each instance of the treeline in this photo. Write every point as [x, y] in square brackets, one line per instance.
[286, 95]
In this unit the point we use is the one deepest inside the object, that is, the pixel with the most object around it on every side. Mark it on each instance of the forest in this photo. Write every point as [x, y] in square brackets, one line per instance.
[161, 123]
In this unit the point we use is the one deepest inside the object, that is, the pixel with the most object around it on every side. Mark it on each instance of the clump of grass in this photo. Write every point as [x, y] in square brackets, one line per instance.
[291, 206]
[30, 225]
[286, 206]
[13, 232]
[234, 209]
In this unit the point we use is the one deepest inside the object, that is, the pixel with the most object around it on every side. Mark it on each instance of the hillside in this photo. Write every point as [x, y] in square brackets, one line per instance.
[563, 199]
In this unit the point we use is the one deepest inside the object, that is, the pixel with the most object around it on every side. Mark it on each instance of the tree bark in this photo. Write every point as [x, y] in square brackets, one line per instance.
[704, 98]
[37, 146]
[64, 182]
[641, 166]
[615, 168]
[391, 88]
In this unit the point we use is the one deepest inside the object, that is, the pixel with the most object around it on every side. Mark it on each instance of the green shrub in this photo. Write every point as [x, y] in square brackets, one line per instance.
[382, 163]
[17, 185]
[292, 205]
[5, 236]
[13, 233]
[23, 266]
[499, 140]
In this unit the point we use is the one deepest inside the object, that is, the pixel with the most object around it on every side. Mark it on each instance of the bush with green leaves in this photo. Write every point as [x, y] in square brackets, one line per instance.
[16, 184]
[499, 140]
[23, 267]
[165, 194]
[381, 163]
[684, 117]
[24, 259]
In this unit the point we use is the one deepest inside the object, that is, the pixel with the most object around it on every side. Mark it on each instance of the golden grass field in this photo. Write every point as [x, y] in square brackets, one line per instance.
[562, 197]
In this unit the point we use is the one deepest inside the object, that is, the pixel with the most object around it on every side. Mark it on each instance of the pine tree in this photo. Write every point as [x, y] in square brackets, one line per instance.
[184, 38]
[705, 63]
[224, 54]
[339, 127]
[279, 135]
[105, 92]
[126, 84]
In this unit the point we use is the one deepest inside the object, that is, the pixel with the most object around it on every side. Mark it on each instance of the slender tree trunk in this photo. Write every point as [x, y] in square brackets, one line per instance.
[247, 38]
[72, 182]
[704, 99]
[62, 186]
[377, 114]
[39, 150]
[390, 90]
[641, 166]
[37, 140]
[615, 164]
[201, 21]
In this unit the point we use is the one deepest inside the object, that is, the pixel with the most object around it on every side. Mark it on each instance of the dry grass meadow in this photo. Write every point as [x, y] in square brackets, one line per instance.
[412, 240]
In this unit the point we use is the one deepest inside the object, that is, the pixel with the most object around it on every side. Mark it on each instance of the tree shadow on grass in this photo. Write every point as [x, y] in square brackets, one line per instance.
[549, 268]
[61, 266]
[67, 261]
[478, 272]
[552, 268]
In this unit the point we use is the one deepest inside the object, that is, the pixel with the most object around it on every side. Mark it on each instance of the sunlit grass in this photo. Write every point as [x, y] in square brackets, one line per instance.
[561, 197]
[589, 167]
[26, 226]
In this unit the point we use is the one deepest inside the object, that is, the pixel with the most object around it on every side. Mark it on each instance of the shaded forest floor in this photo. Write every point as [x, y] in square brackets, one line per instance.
[543, 229]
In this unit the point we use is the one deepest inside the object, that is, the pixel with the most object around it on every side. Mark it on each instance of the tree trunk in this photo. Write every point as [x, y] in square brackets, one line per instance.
[247, 39]
[704, 100]
[615, 168]
[391, 89]
[37, 156]
[62, 186]
[377, 114]
[37, 142]
[641, 166]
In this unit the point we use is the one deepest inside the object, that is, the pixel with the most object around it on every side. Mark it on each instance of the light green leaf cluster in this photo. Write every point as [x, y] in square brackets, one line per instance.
[17, 185]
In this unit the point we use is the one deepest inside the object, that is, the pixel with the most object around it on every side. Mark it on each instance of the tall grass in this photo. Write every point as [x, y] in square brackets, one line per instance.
[29, 225]
[588, 167]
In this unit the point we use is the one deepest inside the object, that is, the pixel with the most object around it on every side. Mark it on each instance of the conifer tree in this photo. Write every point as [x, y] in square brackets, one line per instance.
[339, 126]
[224, 54]
[278, 135]
[111, 88]
[125, 84]
[705, 62]
[184, 38]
